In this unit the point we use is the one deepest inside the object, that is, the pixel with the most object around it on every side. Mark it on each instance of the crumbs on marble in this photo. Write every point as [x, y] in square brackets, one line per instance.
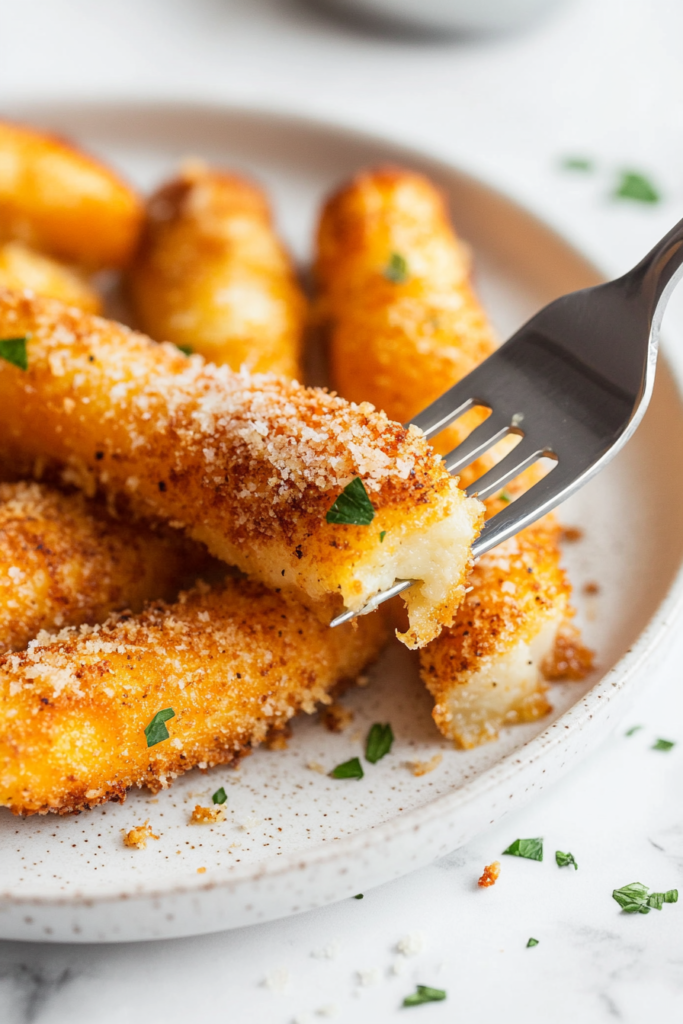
[137, 837]
[425, 767]
[489, 875]
[207, 815]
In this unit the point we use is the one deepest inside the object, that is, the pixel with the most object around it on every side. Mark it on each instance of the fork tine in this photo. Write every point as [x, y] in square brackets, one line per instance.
[480, 440]
[515, 462]
[451, 405]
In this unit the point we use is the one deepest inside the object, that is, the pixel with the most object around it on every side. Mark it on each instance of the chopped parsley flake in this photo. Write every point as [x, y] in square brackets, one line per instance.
[396, 269]
[185, 349]
[532, 849]
[359, 896]
[532, 942]
[13, 350]
[632, 730]
[424, 994]
[379, 742]
[156, 731]
[577, 163]
[636, 898]
[505, 496]
[220, 796]
[636, 186]
[564, 860]
[382, 536]
[663, 745]
[353, 506]
[352, 769]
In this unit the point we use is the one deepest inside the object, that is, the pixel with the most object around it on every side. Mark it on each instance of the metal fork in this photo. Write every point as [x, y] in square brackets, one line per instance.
[573, 383]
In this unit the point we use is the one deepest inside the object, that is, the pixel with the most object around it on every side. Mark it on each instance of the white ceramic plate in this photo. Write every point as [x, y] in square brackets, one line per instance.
[295, 839]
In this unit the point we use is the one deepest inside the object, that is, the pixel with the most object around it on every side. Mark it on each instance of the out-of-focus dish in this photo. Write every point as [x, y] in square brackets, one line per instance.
[267, 146]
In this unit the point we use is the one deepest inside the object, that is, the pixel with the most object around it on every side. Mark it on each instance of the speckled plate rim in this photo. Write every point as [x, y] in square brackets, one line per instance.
[442, 824]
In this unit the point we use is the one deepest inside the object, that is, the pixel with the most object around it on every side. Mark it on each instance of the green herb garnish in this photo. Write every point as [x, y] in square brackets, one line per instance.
[663, 745]
[564, 860]
[424, 994]
[577, 163]
[378, 743]
[13, 350]
[382, 536]
[396, 269]
[636, 898]
[532, 849]
[532, 942]
[220, 796]
[632, 730]
[505, 496]
[185, 349]
[636, 186]
[156, 731]
[352, 769]
[359, 896]
[353, 506]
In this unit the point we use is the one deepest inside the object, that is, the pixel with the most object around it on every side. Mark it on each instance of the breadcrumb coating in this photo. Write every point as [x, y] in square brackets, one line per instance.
[486, 671]
[211, 274]
[138, 836]
[232, 662]
[249, 465]
[401, 333]
[64, 561]
[22, 268]
[62, 202]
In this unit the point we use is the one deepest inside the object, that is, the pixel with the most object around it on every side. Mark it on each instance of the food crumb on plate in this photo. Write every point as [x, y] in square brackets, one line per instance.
[201, 871]
[207, 815]
[424, 767]
[278, 980]
[336, 718]
[411, 945]
[489, 875]
[137, 837]
[315, 767]
[327, 952]
[368, 977]
[250, 823]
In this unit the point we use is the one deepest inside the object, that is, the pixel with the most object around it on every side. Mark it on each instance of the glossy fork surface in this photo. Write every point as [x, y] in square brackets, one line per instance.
[573, 383]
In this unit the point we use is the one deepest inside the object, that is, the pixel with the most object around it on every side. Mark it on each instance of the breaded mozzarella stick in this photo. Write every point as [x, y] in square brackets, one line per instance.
[212, 275]
[229, 663]
[22, 268]
[64, 561]
[251, 466]
[512, 631]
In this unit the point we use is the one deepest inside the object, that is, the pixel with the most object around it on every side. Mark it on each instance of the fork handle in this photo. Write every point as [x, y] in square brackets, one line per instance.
[656, 276]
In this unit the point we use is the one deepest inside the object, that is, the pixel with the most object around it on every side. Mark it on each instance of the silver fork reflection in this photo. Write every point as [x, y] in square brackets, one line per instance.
[573, 383]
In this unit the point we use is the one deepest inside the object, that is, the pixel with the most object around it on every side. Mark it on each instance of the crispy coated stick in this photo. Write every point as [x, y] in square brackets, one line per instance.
[231, 663]
[395, 295]
[487, 670]
[248, 465]
[21, 268]
[64, 561]
[212, 275]
[61, 201]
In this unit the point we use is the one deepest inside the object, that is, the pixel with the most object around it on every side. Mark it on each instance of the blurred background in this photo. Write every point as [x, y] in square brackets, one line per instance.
[556, 102]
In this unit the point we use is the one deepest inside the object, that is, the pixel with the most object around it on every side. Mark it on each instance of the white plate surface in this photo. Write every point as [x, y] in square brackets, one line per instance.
[295, 839]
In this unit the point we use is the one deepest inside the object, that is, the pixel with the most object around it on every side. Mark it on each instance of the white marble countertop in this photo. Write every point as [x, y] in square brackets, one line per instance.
[602, 78]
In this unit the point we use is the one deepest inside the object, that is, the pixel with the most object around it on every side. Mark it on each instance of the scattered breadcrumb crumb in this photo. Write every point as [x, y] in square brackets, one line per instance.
[411, 945]
[250, 823]
[328, 952]
[572, 534]
[424, 767]
[368, 977]
[201, 871]
[399, 965]
[278, 741]
[277, 980]
[591, 587]
[336, 718]
[489, 875]
[207, 815]
[138, 836]
[315, 767]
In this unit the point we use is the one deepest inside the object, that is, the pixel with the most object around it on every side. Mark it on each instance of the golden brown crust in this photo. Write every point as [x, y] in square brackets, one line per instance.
[64, 561]
[231, 662]
[248, 465]
[63, 202]
[211, 274]
[22, 268]
[398, 343]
